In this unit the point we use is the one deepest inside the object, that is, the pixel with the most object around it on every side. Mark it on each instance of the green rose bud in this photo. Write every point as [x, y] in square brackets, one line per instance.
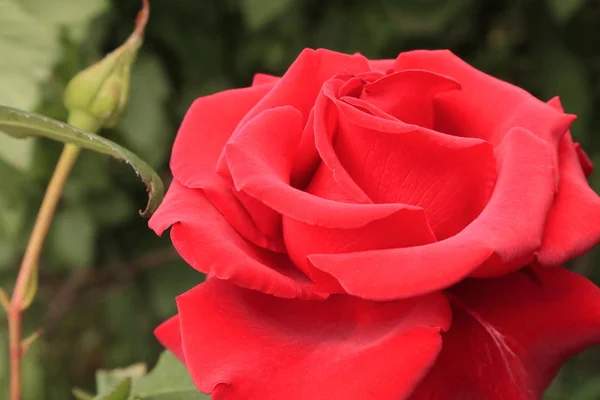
[97, 96]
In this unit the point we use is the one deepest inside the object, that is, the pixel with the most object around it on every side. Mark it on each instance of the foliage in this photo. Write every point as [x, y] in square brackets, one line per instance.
[169, 380]
[20, 125]
[105, 280]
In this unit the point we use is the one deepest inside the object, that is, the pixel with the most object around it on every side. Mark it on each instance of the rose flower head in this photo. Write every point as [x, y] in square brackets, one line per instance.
[389, 229]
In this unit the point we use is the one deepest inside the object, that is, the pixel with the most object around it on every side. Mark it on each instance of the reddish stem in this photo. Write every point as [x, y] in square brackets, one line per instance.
[30, 261]
[16, 351]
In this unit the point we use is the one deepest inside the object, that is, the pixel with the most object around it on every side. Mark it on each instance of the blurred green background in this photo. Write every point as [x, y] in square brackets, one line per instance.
[106, 280]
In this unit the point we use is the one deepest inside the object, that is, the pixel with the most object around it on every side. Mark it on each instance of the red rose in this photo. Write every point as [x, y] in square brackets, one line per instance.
[331, 207]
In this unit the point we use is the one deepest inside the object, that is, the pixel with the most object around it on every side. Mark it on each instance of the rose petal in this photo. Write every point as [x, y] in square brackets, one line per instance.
[260, 79]
[519, 222]
[327, 119]
[402, 273]
[201, 138]
[415, 166]
[486, 107]
[325, 125]
[510, 228]
[207, 126]
[573, 225]
[298, 88]
[381, 65]
[254, 346]
[169, 335]
[273, 135]
[367, 107]
[584, 160]
[510, 335]
[306, 159]
[235, 211]
[259, 162]
[352, 85]
[408, 95]
[208, 243]
[406, 227]
[301, 84]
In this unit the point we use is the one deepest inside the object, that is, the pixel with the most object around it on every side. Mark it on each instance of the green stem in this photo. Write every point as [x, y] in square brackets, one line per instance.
[34, 248]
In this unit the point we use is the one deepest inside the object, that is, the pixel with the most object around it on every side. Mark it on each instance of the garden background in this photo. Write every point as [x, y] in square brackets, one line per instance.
[105, 280]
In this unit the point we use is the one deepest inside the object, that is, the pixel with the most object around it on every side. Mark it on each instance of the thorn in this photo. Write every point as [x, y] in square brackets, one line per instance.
[5, 301]
[26, 343]
[80, 394]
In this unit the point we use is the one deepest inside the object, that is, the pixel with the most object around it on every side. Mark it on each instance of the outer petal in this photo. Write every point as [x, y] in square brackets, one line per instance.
[301, 84]
[208, 243]
[206, 128]
[510, 335]
[381, 65]
[260, 79]
[169, 335]
[505, 105]
[584, 160]
[406, 227]
[573, 225]
[502, 239]
[242, 345]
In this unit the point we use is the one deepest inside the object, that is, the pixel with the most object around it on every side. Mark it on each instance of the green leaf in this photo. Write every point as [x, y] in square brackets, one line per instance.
[80, 394]
[30, 43]
[260, 12]
[21, 125]
[29, 51]
[30, 47]
[169, 380]
[107, 380]
[120, 392]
